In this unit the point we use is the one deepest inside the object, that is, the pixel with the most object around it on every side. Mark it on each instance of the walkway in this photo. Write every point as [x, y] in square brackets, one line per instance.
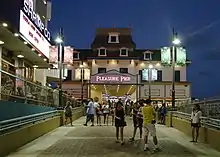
[99, 141]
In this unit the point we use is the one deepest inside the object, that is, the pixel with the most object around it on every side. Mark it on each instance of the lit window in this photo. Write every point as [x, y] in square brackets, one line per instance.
[123, 52]
[75, 55]
[147, 56]
[102, 52]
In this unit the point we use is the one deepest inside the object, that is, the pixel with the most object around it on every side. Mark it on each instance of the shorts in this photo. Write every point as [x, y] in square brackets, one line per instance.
[195, 125]
[150, 128]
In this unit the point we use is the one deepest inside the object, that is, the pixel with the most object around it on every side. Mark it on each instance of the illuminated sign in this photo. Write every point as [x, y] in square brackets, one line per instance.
[28, 9]
[113, 78]
[33, 35]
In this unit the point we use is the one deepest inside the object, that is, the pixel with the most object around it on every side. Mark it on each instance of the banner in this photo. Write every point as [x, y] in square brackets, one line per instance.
[180, 56]
[67, 55]
[165, 55]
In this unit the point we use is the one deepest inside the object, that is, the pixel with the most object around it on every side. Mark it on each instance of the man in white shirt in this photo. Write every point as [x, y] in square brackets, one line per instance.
[195, 122]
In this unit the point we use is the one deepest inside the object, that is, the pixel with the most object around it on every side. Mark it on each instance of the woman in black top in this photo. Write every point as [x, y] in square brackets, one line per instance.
[120, 122]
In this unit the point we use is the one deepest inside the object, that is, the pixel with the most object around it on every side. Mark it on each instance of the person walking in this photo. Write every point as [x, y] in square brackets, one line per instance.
[68, 113]
[149, 121]
[196, 122]
[137, 118]
[120, 122]
[90, 112]
[98, 109]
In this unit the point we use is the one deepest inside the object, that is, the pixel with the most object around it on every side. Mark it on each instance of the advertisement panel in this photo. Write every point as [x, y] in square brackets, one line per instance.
[180, 56]
[146, 73]
[166, 55]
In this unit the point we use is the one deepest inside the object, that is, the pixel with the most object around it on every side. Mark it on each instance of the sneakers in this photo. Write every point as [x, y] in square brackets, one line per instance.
[131, 139]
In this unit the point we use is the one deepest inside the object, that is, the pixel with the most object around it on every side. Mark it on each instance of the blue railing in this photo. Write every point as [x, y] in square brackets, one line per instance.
[16, 123]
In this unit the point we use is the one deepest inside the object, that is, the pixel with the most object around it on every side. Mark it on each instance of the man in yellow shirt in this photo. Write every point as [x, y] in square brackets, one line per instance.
[149, 115]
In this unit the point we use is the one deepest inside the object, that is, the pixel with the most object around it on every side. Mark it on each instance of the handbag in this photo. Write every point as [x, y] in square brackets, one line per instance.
[124, 123]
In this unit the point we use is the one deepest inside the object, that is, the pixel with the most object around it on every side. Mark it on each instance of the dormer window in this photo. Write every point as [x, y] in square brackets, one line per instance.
[123, 52]
[102, 52]
[148, 55]
[76, 55]
[113, 38]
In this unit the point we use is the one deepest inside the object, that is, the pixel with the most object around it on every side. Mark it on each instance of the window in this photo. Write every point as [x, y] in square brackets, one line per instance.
[123, 52]
[102, 52]
[159, 75]
[75, 55]
[113, 38]
[101, 70]
[123, 70]
[147, 56]
[177, 76]
[69, 75]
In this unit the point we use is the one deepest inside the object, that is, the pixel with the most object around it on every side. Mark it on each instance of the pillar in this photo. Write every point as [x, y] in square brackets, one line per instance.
[0, 69]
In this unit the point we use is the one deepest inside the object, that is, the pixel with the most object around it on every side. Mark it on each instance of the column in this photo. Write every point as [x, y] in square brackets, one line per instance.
[0, 69]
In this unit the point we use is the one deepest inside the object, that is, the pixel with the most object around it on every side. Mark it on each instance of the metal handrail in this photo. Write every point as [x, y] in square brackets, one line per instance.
[15, 123]
[206, 121]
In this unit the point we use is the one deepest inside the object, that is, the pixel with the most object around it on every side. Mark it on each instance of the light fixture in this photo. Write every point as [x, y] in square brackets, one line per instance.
[48, 68]
[1, 42]
[33, 49]
[150, 66]
[158, 64]
[35, 66]
[16, 34]
[39, 54]
[4, 24]
[81, 66]
[25, 43]
[45, 59]
[20, 56]
[59, 40]
[176, 41]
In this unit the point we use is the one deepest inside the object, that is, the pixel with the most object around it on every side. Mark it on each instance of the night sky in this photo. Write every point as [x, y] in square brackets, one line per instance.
[196, 21]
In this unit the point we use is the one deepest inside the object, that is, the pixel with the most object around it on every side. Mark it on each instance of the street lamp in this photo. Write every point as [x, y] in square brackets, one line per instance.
[175, 41]
[82, 81]
[59, 41]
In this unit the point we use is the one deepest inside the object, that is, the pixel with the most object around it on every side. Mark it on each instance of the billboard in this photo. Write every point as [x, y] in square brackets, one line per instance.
[32, 34]
[149, 72]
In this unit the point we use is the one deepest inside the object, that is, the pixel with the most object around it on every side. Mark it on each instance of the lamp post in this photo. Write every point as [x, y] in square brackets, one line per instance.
[150, 76]
[59, 41]
[175, 41]
[149, 79]
[82, 81]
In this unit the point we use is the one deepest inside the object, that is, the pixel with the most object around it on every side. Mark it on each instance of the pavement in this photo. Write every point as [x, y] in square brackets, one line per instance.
[99, 141]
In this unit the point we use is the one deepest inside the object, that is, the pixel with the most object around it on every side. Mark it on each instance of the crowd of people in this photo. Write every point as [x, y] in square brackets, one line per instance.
[142, 112]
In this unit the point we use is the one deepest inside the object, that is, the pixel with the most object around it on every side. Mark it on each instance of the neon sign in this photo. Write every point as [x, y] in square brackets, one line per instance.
[28, 9]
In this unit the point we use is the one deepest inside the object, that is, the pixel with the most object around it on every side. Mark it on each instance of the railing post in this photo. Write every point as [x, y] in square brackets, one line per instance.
[25, 91]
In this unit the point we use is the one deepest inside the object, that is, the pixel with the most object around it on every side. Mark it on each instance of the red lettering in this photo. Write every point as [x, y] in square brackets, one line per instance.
[31, 34]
